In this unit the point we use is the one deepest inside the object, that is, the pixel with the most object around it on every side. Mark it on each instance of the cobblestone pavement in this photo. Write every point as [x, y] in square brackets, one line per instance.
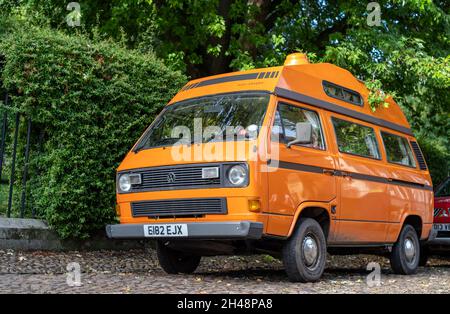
[138, 272]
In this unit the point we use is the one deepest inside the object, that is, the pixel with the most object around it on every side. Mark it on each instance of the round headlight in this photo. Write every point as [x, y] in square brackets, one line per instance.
[124, 183]
[237, 175]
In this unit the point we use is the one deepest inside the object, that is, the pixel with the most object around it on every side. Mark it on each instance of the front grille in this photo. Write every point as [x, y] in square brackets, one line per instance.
[419, 156]
[177, 177]
[179, 207]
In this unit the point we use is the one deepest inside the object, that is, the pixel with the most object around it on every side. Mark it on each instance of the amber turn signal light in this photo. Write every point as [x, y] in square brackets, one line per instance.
[254, 205]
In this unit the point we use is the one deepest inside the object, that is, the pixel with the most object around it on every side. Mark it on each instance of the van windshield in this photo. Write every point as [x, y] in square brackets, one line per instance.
[208, 119]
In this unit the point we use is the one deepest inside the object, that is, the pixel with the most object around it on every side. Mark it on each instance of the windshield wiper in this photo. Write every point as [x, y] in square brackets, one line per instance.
[139, 147]
[160, 142]
[167, 140]
[235, 136]
[148, 133]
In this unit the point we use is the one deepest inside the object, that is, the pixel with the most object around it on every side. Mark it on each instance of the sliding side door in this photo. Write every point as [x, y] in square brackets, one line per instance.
[362, 208]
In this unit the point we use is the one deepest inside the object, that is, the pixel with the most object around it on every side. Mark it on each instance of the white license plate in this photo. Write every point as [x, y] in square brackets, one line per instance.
[442, 227]
[166, 230]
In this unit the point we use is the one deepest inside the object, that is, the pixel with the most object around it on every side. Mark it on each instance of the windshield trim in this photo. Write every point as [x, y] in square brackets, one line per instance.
[139, 145]
[250, 91]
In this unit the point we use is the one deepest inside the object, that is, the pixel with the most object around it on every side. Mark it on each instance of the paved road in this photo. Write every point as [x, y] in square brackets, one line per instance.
[138, 272]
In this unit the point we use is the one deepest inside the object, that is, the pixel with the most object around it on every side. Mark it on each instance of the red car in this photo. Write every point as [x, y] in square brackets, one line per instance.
[441, 224]
[439, 241]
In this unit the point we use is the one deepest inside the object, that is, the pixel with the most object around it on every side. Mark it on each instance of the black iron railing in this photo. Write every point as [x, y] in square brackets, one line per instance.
[8, 163]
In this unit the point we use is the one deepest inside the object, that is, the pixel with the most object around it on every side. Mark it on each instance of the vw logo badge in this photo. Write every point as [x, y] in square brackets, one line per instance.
[171, 177]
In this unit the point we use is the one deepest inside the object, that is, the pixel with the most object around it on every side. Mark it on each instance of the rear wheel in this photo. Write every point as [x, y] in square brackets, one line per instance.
[405, 254]
[174, 262]
[305, 253]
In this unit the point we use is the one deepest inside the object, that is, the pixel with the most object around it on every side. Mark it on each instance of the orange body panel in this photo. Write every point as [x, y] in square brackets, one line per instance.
[361, 211]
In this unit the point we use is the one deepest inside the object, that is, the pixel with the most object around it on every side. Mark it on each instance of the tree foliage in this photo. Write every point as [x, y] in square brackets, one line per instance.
[406, 56]
[89, 101]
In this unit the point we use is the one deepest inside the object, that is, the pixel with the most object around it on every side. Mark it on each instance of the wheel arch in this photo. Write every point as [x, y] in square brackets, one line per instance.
[416, 222]
[317, 211]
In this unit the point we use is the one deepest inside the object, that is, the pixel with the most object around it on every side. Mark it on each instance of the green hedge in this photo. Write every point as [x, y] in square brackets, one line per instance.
[89, 102]
[437, 156]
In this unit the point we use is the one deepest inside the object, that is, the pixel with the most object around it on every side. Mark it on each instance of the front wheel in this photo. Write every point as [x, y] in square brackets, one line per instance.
[174, 262]
[405, 254]
[305, 253]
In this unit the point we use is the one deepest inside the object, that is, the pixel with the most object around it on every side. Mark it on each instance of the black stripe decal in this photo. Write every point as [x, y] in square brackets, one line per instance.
[298, 167]
[341, 110]
[357, 176]
[226, 79]
[411, 184]
[232, 78]
[378, 221]
[366, 177]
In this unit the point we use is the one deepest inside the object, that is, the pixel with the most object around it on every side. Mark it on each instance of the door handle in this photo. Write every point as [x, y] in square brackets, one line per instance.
[329, 172]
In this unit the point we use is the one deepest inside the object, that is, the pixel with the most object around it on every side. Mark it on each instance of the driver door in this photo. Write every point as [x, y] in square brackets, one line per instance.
[302, 172]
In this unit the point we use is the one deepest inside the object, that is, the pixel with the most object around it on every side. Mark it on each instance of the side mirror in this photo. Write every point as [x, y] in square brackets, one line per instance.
[303, 135]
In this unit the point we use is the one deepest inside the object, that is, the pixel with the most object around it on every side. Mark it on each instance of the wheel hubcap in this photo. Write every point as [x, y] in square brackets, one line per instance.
[310, 250]
[410, 250]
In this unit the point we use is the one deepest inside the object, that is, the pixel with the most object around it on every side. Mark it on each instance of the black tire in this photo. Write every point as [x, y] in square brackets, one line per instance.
[295, 263]
[175, 262]
[400, 263]
[424, 255]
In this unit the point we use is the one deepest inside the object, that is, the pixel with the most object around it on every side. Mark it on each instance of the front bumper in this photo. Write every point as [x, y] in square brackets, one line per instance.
[439, 241]
[435, 240]
[196, 230]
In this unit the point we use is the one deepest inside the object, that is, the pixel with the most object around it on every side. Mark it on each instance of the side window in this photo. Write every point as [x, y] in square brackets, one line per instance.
[443, 190]
[353, 138]
[277, 128]
[398, 150]
[287, 116]
[342, 93]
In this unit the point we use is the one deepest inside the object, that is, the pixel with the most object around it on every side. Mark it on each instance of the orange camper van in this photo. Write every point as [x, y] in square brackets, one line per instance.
[287, 160]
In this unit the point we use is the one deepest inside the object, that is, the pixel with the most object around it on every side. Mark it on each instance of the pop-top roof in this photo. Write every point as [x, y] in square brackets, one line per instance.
[301, 81]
